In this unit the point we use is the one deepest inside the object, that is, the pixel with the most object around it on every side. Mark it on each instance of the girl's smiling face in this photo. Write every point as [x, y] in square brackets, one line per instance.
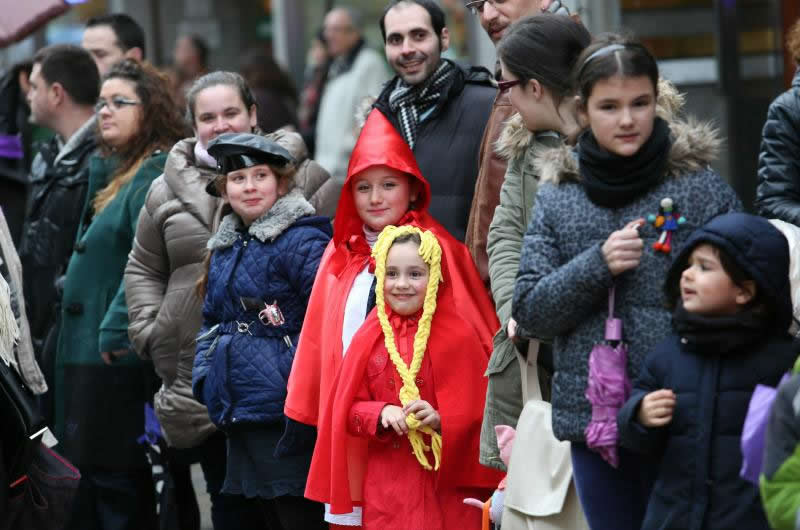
[382, 196]
[621, 112]
[406, 280]
[252, 191]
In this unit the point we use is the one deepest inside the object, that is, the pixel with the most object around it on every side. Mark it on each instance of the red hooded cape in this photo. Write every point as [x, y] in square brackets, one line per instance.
[458, 362]
[319, 352]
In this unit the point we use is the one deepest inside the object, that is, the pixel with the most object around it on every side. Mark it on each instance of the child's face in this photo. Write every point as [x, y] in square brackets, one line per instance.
[252, 191]
[621, 111]
[382, 196]
[406, 279]
[706, 288]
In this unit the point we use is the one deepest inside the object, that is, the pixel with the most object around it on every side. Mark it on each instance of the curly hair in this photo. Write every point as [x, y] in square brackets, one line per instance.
[160, 124]
[793, 41]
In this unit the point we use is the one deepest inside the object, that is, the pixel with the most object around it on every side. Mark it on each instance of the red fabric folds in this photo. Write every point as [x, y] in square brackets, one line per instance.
[319, 351]
[457, 362]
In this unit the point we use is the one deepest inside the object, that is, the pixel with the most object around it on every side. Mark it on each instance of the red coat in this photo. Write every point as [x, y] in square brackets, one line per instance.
[319, 352]
[397, 492]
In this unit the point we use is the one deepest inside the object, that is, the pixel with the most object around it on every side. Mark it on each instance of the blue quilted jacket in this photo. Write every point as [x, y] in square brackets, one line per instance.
[242, 364]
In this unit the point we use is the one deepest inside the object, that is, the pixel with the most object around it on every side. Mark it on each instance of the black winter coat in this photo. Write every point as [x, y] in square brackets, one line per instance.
[57, 197]
[448, 143]
[698, 483]
[778, 192]
[713, 373]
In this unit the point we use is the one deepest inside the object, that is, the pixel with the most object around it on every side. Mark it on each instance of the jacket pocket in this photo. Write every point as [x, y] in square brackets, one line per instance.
[503, 353]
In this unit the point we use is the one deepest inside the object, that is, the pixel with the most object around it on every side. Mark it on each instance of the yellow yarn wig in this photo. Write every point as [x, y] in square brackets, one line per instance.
[431, 254]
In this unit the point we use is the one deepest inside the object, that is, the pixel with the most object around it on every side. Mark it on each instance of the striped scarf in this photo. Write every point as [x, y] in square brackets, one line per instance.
[411, 101]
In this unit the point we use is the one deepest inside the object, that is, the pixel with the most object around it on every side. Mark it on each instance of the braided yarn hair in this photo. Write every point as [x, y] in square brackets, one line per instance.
[431, 254]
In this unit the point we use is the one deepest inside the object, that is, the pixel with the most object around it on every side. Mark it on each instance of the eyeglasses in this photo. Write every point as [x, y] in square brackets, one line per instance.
[116, 103]
[476, 6]
[505, 85]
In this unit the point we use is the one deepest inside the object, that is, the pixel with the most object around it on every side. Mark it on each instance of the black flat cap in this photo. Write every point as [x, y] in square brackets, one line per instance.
[234, 151]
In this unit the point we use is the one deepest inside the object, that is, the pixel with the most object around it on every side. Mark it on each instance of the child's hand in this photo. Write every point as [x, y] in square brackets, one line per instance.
[656, 408]
[623, 248]
[425, 413]
[393, 417]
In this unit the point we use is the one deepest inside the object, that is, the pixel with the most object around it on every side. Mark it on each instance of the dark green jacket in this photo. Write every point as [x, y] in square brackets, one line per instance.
[99, 408]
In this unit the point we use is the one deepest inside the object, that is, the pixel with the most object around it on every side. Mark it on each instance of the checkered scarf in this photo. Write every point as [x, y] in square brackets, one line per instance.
[411, 101]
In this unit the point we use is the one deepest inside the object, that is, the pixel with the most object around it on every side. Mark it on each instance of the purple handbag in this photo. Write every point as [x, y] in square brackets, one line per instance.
[754, 430]
[607, 388]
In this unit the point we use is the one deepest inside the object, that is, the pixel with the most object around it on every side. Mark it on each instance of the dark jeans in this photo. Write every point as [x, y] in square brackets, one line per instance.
[114, 500]
[292, 513]
[228, 512]
[612, 499]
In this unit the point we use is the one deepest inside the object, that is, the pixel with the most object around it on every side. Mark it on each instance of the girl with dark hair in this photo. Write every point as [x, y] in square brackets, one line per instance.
[264, 258]
[166, 261]
[101, 385]
[545, 116]
[730, 291]
[598, 224]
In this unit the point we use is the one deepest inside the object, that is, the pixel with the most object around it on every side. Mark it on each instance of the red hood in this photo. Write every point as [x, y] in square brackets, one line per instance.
[379, 144]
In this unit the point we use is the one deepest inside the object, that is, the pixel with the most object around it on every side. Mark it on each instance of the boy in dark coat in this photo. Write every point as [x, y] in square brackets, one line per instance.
[730, 289]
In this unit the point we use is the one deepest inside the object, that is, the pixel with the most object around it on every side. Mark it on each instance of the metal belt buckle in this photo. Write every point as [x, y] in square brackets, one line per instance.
[243, 327]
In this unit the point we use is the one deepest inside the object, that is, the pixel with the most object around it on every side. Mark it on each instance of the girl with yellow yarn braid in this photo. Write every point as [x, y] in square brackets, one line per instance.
[412, 386]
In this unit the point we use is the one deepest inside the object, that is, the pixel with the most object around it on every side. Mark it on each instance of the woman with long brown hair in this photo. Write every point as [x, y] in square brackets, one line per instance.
[101, 385]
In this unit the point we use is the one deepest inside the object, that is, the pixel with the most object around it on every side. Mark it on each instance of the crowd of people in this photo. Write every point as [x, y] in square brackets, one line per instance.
[386, 301]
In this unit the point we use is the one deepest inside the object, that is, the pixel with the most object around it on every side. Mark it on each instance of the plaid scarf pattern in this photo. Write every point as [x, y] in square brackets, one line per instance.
[411, 101]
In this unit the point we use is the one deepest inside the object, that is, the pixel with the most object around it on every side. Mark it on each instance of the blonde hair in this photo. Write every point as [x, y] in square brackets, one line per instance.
[431, 254]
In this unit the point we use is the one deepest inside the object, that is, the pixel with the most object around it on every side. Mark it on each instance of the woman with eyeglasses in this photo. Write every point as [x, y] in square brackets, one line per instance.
[101, 384]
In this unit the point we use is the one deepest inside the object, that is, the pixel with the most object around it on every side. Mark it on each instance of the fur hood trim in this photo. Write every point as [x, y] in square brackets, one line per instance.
[284, 213]
[695, 145]
[515, 139]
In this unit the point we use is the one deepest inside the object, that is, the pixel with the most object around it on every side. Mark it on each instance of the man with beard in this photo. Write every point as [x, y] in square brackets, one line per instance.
[438, 106]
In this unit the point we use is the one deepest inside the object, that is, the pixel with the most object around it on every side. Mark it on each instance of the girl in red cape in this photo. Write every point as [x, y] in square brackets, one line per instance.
[384, 186]
[411, 386]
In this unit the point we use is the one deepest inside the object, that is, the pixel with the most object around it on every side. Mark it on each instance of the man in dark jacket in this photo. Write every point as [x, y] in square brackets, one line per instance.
[64, 88]
[438, 106]
[778, 192]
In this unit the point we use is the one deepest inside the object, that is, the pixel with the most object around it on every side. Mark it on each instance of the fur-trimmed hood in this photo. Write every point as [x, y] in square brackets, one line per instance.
[695, 144]
[284, 213]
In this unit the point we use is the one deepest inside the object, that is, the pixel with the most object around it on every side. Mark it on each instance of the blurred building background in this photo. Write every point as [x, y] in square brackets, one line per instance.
[727, 55]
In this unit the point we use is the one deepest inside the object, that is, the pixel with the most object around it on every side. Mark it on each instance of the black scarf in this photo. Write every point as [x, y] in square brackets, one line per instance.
[719, 334]
[611, 180]
[409, 102]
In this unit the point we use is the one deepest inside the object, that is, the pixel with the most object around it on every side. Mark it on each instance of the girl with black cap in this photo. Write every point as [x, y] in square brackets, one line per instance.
[264, 258]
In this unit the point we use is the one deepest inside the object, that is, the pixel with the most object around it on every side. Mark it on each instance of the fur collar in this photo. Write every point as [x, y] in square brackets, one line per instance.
[695, 144]
[284, 213]
[515, 140]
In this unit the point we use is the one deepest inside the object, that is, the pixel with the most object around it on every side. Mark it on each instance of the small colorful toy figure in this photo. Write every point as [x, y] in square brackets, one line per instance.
[668, 220]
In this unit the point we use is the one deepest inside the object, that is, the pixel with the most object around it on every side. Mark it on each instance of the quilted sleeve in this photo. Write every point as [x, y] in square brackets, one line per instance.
[300, 257]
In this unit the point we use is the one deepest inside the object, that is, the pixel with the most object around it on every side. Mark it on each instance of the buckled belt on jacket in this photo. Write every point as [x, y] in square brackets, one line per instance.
[254, 328]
